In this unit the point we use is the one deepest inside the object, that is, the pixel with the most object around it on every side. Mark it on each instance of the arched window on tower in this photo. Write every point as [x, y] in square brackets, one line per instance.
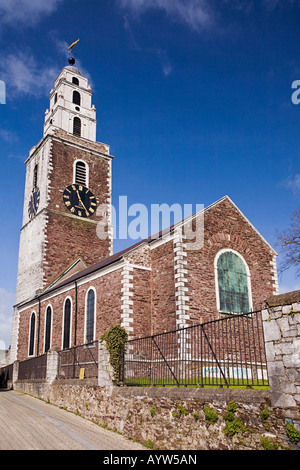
[31, 335]
[75, 81]
[35, 176]
[90, 316]
[67, 324]
[233, 283]
[77, 127]
[76, 98]
[48, 323]
[81, 172]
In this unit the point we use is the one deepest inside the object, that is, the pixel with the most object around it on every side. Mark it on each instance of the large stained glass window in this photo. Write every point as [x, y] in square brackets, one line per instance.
[233, 283]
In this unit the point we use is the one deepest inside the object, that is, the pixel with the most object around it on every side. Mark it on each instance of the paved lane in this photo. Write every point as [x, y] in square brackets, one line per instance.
[27, 423]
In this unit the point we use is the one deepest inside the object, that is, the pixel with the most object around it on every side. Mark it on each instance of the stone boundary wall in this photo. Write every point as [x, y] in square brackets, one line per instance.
[173, 419]
[281, 321]
[194, 418]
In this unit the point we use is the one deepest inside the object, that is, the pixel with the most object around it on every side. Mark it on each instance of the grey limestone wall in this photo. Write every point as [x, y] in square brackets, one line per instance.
[282, 338]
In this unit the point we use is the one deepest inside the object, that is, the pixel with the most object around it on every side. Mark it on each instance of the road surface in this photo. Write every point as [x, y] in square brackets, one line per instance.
[27, 423]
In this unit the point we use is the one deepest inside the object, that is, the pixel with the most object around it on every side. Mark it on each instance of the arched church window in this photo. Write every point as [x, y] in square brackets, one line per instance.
[81, 173]
[35, 176]
[233, 283]
[67, 324]
[90, 316]
[48, 323]
[77, 127]
[76, 98]
[75, 81]
[32, 334]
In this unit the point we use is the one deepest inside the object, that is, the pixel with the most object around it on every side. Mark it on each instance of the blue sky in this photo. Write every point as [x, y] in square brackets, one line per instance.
[193, 97]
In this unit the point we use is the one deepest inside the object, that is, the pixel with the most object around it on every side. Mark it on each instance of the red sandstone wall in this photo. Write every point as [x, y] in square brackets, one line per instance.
[163, 288]
[141, 302]
[67, 236]
[108, 313]
[154, 307]
[225, 227]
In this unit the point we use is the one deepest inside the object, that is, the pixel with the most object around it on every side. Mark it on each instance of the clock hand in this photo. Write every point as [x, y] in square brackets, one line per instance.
[32, 199]
[79, 198]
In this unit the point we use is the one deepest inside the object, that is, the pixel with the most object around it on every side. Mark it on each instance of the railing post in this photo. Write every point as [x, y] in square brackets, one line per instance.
[52, 366]
[105, 370]
[15, 374]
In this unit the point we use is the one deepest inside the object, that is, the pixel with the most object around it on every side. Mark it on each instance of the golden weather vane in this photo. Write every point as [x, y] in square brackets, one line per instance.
[71, 59]
[73, 44]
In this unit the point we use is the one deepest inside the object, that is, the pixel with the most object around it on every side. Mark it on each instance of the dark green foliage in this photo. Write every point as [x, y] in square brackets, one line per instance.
[265, 414]
[292, 433]
[115, 339]
[234, 426]
[268, 445]
[210, 414]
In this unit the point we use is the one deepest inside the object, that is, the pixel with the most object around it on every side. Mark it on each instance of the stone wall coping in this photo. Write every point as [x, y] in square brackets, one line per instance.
[284, 299]
[250, 396]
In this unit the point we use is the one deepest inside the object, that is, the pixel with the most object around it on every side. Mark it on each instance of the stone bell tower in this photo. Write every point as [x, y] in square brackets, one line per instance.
[67, 191]
[71, 106]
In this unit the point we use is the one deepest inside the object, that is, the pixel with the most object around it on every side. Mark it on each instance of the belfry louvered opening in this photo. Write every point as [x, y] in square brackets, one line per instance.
[81, 173]
[76, 98]
[77, 127]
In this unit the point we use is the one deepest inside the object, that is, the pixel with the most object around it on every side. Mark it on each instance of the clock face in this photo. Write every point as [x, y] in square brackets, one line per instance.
[79, 200]
[33, 203]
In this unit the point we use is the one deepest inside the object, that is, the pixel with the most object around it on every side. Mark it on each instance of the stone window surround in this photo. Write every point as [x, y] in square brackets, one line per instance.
[224, 250]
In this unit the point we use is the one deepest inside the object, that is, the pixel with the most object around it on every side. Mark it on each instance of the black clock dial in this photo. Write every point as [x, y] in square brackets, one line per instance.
[33, 203]
[80, 200]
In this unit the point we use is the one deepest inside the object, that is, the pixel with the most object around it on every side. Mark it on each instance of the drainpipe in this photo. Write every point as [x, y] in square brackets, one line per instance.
[76, 308]
[38, 342]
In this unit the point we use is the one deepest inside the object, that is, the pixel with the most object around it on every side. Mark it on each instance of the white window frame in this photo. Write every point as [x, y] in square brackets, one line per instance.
[63, 322]
[29, 335]
[85, 313]
[49, 305]
[225, 250]
[87, 171]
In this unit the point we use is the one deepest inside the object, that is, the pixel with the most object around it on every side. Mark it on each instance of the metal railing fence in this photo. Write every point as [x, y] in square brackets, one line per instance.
[33, 368]
[72, 360]
[225, 352]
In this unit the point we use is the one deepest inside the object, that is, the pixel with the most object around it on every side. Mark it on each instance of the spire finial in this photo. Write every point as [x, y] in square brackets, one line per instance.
[73, 44]
[71, 59]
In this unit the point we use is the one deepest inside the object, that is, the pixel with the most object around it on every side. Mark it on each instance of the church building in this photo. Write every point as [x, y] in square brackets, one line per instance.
[71, 287]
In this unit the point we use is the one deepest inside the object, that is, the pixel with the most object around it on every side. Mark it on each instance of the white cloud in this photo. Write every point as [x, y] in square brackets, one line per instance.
[23, 75]
[199, 15]
[289, 287]
[159, 52]
[292, 183]
[194, 13]
[271, 4]
[165, 63]
[14, 12]
[6, 312]
[8, 136]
